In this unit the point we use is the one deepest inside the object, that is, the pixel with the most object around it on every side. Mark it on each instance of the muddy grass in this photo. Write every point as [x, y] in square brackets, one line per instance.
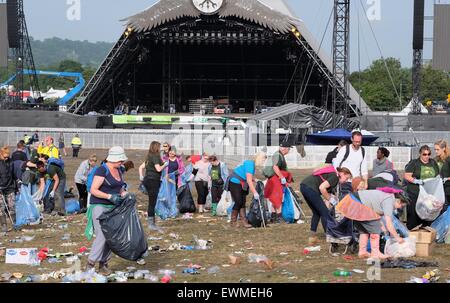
[282, 244]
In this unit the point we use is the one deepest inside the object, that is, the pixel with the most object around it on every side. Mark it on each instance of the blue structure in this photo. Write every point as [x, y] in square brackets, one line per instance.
[79, 80]
[333, 136]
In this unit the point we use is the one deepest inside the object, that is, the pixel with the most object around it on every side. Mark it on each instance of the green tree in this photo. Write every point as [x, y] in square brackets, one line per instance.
[376, 86]
[435, 84]
[70, 66]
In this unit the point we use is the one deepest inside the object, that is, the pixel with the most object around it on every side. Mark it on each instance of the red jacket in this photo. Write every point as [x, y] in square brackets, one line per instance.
[274, 189]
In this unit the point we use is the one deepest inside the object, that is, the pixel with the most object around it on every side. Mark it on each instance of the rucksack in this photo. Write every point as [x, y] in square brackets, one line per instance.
[90, 178]
[347, 153]
[57, 162]
[323, 171]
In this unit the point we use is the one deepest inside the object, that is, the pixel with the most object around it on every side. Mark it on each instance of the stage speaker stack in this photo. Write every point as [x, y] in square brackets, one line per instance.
[13, 23]
[419, 24]
[3, 36]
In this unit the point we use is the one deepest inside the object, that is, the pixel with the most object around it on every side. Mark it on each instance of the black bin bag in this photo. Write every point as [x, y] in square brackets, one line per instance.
[187, 204]
[123, 230]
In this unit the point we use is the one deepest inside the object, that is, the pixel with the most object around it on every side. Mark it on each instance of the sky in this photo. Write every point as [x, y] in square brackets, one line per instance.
[99, 20]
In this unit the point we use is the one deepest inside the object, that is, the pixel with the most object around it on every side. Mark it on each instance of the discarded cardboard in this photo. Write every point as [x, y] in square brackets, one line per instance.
[424, 249]
[23, 256]
[424, 235]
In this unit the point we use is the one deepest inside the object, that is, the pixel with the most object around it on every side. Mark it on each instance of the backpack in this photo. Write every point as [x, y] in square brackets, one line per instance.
[90, 178]
[347, 153]
[57, 162]
[323, 171]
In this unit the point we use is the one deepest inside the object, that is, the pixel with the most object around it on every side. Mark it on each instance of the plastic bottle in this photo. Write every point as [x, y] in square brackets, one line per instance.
[342, 273]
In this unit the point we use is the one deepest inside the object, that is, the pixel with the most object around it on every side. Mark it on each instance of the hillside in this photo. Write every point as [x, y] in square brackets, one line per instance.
[52, 51]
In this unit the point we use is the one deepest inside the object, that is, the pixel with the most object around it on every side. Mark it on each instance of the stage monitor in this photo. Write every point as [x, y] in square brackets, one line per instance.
[419, 24]
[3, 36]
[13, 23]
[441, 37]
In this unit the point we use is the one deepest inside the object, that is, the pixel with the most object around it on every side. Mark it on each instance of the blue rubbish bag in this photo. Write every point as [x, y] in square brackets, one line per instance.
[26, 211]
[166, 205]
[287, 210]
[72, 207]
[442, 225]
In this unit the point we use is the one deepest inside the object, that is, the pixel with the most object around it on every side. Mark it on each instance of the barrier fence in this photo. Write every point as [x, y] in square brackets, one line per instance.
[232, 146]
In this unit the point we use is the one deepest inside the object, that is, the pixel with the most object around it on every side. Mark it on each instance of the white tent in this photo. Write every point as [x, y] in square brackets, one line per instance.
[409, 108]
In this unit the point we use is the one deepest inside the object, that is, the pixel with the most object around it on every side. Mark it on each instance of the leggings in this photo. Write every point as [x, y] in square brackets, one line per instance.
[216, 193]
[202, 191]
[82, 193]
[238, 195]
[152, 187]
[318, 207]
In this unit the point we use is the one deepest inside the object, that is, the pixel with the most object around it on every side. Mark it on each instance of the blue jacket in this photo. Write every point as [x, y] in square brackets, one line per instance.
[223, 171]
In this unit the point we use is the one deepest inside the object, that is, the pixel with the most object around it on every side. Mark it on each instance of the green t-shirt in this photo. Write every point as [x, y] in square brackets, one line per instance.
[445, 173]
[216, 176]
[278, 160]
[151, 171]
[53, 170]
[314, 182]
[421, 171]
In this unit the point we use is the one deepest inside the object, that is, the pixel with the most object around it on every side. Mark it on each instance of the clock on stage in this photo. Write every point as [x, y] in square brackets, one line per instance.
[208, 7]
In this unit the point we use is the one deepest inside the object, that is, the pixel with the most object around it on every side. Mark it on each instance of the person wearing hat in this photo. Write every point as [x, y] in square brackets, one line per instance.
[366, 208]
[107, 191]
[275, 170]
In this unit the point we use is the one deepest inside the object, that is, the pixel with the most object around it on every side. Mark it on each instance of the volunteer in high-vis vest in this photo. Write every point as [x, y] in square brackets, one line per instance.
[76, 146]
[49, 149]
[317, 190]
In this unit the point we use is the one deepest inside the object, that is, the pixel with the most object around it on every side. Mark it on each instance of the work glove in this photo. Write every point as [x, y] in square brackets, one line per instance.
[256, 196]
[333, 200]
[52, 194]
[283, 181]
[418, 182]
[115, 199]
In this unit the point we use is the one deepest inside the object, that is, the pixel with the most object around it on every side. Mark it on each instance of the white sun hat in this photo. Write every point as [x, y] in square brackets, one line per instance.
[116, 154]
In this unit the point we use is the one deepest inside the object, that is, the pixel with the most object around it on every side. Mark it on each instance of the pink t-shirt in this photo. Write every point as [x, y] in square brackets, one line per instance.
[202, 174]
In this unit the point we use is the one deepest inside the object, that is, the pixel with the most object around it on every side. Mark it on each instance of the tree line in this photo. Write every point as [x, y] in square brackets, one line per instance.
[381, 90]
[383, 94]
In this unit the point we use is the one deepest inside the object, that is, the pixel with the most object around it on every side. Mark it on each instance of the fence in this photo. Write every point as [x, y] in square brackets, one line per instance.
[232, 146]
